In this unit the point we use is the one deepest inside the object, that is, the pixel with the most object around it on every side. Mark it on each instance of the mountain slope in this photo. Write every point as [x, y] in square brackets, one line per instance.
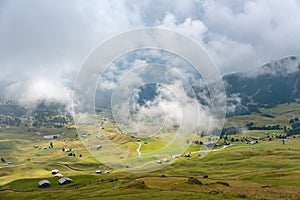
[276, 83]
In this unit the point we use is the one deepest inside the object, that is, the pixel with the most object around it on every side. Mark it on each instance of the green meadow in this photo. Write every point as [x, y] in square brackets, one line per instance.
[282, 114]
[266, 170]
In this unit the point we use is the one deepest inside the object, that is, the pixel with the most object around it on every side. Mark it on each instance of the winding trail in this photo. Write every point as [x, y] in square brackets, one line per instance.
[139, 148]
[138, 151]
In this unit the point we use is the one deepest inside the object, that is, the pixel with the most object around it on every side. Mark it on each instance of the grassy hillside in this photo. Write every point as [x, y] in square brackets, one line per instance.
[267, 170]
[282, 114]
[273, 85]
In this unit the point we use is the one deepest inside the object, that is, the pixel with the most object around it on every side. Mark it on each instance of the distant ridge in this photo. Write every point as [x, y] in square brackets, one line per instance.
[277, 82]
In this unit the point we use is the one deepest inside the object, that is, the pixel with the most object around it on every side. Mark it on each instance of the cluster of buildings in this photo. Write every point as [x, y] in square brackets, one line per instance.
[62, 181]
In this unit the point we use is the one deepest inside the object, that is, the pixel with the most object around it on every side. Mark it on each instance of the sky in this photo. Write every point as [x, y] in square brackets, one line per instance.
[44, 43]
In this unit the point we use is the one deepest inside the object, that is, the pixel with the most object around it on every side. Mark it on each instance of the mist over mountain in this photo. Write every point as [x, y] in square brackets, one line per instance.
[277, 82]
[274, 83]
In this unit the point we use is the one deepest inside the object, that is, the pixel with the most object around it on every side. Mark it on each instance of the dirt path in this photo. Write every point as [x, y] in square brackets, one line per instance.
[138, 151]
[139, 148]
[211, 150]
[118, 131]
[12, 165]
[68, 167]
[41, 162]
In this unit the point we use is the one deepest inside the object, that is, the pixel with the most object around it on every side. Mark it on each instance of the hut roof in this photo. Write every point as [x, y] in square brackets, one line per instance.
[43, 182]
[64, 180]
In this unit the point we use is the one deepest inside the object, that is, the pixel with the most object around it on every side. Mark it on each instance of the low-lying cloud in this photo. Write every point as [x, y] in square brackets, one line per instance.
[44, 43]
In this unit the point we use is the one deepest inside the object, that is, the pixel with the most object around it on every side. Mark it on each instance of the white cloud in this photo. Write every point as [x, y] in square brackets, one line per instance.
[193, 28]
[230, 55]
[270, 28]
[47, 40]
